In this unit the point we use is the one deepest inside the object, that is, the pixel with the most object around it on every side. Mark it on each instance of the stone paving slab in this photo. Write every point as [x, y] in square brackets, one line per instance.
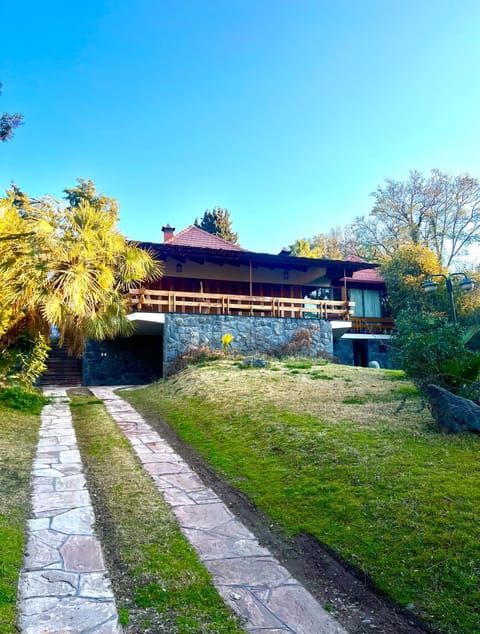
[64, 586]
[249, 578]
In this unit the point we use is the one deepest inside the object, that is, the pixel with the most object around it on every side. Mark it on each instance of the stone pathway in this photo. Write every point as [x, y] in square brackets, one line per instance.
[247, 575]
[64, 585]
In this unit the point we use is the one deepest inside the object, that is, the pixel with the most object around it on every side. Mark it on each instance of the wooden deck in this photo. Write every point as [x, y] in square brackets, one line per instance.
[216, 304]
[147, 300]
[372, 325]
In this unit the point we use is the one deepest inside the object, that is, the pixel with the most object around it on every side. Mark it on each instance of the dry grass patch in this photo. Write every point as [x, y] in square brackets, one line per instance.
[389, 400]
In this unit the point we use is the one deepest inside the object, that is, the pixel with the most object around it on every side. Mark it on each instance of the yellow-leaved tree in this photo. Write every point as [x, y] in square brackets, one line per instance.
[67, 268]
[404, 272]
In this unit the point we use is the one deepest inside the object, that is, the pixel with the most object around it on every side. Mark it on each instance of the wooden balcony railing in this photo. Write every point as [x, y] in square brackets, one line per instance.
[217, 304]
[372, 325]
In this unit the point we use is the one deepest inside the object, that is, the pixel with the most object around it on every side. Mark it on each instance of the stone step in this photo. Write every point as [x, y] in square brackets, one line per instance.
[62, 369]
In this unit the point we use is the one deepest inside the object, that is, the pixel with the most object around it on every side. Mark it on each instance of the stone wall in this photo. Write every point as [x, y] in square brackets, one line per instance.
[379, 350]
[251, 335]
[375, 350]
[343, 350]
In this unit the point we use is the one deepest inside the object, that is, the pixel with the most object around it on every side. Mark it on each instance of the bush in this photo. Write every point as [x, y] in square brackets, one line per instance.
[25, 360]
[195, 356]
[17, 397]
[432, 350]
[300, 345]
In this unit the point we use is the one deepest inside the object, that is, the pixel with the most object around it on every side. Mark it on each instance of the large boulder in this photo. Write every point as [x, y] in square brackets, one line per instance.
[453, 413]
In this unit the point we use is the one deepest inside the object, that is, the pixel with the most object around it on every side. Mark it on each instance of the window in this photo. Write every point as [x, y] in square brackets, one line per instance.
[324, 292]
[367, 303]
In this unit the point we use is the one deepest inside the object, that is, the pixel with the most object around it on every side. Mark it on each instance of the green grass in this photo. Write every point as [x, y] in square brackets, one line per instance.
[25, 400]
[158, 580]
[299, 365]
[384, 490]
[18, 439]
[323, 377]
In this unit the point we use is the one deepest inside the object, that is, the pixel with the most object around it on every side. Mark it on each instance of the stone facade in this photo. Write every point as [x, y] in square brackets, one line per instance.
[124, 361]
[251, 335]
[142, 359]
[373, 350]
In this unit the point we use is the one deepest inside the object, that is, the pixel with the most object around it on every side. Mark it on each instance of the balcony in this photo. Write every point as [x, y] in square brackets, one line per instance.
[147, 300]
[372, 325]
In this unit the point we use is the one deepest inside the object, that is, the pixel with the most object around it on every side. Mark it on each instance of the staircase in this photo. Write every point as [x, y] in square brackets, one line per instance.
[62, 369]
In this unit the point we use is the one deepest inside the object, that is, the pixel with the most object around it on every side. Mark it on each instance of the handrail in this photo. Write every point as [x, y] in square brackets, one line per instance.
[216, 303]
[372, 325]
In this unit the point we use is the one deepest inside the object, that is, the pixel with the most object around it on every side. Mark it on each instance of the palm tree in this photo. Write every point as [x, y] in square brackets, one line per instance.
[67, 268]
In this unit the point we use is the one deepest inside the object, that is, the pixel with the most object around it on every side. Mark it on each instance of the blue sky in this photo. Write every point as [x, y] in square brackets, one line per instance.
[287, 112]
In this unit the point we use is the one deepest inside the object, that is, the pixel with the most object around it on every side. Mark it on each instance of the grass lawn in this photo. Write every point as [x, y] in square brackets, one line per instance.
[349, 456]
[18, 440]
[159, 583]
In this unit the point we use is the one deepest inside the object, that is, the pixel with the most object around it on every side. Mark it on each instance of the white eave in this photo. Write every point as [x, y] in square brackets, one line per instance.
[147, 323]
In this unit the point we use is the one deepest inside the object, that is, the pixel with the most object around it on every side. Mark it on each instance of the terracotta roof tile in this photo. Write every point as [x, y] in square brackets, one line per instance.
[193, 236]
[364, 275]
[368, 275]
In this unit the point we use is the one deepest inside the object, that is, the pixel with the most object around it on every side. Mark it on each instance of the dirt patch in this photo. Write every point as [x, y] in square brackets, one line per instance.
[343, 590]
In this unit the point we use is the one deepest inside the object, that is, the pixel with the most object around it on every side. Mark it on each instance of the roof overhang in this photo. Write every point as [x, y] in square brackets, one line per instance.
[147, 323]
[337, 269]
[339, 328]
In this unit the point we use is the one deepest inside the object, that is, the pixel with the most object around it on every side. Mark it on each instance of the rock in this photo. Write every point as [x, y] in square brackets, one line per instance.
[252, 362]
[453, 413]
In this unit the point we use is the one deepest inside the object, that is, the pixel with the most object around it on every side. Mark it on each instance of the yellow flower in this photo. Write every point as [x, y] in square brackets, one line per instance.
[227, 340]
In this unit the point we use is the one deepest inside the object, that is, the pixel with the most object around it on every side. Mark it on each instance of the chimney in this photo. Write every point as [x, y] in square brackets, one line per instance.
[285, 251]
[168, 233]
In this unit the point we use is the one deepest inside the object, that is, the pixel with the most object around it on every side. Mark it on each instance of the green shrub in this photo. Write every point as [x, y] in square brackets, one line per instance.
[25, 360]
[432, 350]
[27, 400]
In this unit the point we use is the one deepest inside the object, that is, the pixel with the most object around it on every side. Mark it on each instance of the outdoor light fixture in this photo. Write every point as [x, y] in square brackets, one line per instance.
[429, 286]
[179, 268]
[285, 275]
[466, 285]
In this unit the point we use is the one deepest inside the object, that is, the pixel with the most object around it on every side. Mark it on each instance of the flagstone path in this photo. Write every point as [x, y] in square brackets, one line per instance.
[248, 576]
[64, 587]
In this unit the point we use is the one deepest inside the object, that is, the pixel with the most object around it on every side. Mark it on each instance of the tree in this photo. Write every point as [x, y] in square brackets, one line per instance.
[441, 212]
[404, 272]
[218, 223]
[432, 350]
[86, 192]
[330, 245]
[8, 123]
[66, 268]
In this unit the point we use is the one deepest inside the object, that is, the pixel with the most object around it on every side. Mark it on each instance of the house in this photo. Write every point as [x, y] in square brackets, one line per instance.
[369, 336]
[211, 287]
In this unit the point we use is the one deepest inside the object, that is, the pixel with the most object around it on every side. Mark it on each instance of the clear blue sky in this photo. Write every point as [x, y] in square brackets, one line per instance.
[287, 112]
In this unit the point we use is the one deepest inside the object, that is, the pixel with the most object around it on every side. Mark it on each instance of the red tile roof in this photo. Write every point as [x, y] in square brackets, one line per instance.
[371, 276]
[368, 275]
[193, 236]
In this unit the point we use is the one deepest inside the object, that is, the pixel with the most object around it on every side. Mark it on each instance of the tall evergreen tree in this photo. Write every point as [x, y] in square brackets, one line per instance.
[217, 222]
[8, 123]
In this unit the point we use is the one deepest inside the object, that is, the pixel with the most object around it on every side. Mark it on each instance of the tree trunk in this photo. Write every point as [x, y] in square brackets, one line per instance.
[453, 413]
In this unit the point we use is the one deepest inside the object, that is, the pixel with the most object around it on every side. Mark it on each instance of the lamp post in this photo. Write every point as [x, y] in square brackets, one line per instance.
[466, 285]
